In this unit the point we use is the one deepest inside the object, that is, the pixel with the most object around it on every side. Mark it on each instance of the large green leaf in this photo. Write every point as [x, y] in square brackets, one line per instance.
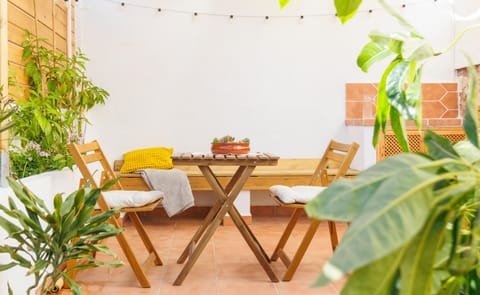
[344, 199]
[398, 126]
[74, 287]
[390, 218]
[102, 236]
[417, 267]
[346, 9]
[42, 122]
[471, 118]
[392, 42]
[371, 53]
[415, 49]
[395, 88]
[9, 227]
[439, 147]
[69, 202]
[25, 195]
[375, 278]
[102, 217]
[383, 107]
[413, 92]
[91, 228]
[468, 151]
[4, 267]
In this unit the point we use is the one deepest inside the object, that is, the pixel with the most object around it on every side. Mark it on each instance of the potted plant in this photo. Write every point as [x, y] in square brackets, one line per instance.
[228, 145]
[45, 240]
[53, 115]
[414, 218]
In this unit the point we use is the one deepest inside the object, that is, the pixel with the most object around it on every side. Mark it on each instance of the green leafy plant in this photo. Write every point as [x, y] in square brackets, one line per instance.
[45, 240]
[54, 113]
[7, 109]
[31, 160]
[414, 218]
[229, 139]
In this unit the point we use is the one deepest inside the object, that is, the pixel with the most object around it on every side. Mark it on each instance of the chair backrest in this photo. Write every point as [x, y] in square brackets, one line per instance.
[336, 159]
[93, 166]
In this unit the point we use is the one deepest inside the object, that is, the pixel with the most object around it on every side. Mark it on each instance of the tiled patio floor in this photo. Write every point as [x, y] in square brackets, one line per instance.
[227, 266]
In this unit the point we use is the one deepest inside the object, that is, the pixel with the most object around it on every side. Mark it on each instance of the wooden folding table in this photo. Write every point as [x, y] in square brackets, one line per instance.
[226, 195]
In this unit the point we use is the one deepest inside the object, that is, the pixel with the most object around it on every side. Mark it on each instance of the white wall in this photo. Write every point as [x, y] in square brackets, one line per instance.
[467, 13]
[178, 80]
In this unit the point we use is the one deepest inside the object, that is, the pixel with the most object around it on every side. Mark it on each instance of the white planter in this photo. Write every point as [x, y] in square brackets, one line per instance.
[45, 186]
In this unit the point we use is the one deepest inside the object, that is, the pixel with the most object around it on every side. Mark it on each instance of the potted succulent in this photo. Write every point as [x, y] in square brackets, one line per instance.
[228, 145]
[45, 242]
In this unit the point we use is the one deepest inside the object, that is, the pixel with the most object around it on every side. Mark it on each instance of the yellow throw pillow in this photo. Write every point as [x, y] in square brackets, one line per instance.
[155, 158]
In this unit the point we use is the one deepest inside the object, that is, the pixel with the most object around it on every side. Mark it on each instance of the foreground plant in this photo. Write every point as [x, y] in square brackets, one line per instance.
[415, 222]
[45, 240]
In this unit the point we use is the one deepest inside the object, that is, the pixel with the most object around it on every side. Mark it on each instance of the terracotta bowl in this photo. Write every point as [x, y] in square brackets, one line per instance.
[236, 148]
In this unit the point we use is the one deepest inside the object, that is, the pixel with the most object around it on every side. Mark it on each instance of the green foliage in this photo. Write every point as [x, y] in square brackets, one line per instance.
[413, 219]
[400, 92]
[7, 109]
[229, 139]
[346, 9]
[54, 113]
[415, 222]
[44, 240]
[31, 159]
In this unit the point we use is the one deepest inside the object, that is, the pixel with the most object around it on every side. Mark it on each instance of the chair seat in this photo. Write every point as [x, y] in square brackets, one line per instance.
[295, 194]
[125, 199]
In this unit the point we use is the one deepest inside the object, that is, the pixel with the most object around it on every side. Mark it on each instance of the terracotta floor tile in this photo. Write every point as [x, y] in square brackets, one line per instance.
[226, 266]
[241, 288]
[287, 288]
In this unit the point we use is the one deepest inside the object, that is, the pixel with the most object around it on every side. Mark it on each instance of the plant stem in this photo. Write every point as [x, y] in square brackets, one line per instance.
[459, 36]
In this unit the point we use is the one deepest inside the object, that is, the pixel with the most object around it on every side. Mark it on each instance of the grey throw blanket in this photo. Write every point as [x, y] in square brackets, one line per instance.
[175, 186]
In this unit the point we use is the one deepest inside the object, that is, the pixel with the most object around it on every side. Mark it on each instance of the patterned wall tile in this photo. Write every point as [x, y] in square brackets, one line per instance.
[441, 104]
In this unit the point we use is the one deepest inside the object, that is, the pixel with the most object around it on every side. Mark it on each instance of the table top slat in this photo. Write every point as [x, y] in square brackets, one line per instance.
[198, 156]
[208, 159]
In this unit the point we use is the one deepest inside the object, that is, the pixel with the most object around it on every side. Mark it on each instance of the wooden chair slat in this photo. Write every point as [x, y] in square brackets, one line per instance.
[84, 154]
[341, 162]
[92, 158]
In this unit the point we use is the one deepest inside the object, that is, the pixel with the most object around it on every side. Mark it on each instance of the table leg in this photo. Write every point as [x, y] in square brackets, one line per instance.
[211, 214]
[227, 203]
[244, 229]
[227, 191]
[200, 231]
[253, 243]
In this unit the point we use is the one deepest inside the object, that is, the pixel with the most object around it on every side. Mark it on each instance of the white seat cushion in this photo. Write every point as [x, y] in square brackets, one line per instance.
[123, 198]
[306, 193]
[284, 193]
[295, 194]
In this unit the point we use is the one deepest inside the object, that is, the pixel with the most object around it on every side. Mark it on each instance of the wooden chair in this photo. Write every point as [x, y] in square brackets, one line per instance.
[96, 170]
[334, 164]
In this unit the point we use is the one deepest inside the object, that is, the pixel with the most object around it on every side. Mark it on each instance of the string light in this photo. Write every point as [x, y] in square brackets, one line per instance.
[266, 17]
